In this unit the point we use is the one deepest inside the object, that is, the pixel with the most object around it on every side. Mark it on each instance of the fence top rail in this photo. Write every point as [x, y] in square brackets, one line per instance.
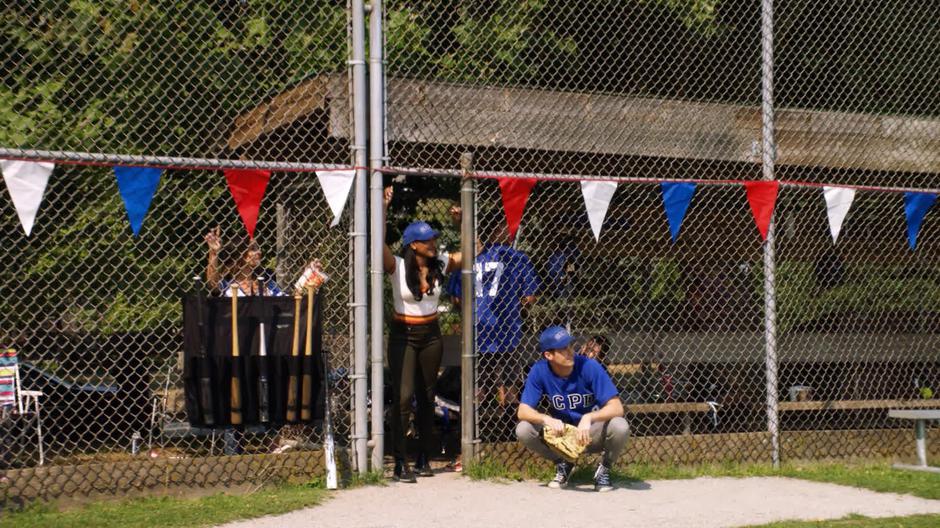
[161, 162]
[454, 173]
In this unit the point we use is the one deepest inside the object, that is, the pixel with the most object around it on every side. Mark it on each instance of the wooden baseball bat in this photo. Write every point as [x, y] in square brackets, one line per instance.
[236, 385]
[308, 352]
[264, 414]
[295, 350]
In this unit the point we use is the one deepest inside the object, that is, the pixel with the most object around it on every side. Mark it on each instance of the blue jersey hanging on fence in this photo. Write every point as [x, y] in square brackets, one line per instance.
[503, 277]
[587, 388]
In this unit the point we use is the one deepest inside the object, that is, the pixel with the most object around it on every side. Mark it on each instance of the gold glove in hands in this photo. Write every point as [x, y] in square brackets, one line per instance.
[565, 444]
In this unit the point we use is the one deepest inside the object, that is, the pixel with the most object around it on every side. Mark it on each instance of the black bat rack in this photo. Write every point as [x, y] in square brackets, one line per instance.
[208, 361]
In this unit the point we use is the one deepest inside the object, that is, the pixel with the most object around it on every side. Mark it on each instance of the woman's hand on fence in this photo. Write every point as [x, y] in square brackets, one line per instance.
[214, 239]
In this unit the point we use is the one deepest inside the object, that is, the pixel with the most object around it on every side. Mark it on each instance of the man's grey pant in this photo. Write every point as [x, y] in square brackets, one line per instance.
[608, 437]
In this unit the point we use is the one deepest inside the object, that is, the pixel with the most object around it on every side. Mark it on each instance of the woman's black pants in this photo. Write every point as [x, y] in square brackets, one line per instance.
[414, 357]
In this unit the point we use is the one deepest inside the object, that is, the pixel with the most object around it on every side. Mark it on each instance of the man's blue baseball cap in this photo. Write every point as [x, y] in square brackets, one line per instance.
[554, 338]
[418, 231]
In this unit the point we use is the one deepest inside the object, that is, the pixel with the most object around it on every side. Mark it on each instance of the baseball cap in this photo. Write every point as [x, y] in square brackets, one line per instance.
[418, 231]
[553, 338]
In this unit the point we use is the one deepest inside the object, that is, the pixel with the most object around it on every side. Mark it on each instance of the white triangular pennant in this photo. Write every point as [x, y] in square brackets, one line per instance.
[597, 196]
[336, 186]
[26, 181]
[838, 202]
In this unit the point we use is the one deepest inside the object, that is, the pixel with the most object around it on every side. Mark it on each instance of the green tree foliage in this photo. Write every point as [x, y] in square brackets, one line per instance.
[152, 77]
[168, 77]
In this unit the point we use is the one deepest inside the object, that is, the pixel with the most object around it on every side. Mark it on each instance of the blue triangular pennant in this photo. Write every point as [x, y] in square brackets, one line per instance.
[137, 186]
[916, 205]
[676, 198]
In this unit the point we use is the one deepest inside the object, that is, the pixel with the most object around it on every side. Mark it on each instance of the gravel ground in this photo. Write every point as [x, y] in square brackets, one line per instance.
[452, 501]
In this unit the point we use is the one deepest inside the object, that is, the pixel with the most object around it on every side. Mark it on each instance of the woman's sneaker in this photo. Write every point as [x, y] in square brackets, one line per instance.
[563, 472]
[602, 478]
[403, 473]
[423, 467]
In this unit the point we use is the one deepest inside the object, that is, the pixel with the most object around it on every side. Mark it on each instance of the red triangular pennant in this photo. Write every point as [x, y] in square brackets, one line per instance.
[247, 187]
[762, 195]
[515, 193]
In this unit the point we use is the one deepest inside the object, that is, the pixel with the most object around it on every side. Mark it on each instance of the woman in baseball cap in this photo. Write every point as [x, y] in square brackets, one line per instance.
[414, 342]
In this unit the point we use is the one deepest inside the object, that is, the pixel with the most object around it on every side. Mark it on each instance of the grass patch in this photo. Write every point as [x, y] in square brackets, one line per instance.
[874, 476]
[371, 478]
[169, 512]
[859, 521]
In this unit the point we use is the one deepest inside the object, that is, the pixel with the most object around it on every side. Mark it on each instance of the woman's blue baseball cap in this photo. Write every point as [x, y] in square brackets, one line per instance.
[554, 338]
[418, 231]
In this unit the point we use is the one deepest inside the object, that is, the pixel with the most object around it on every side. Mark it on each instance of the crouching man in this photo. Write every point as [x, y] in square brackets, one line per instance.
[579, 392]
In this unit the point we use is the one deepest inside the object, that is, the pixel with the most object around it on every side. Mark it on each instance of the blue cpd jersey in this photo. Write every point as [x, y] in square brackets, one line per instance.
[503, 277]
[587, 389]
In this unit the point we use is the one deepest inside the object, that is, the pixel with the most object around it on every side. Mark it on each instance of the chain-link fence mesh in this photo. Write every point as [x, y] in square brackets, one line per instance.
[677, 325]
[96, 317]
[225, 79]
[857, 323]
[672, 91]
[652, 90]
[610, 87]
[94, 313]
[680, 326]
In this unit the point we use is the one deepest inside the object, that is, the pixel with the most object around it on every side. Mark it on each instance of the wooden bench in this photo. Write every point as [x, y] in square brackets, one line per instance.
[852, 405]
[920, 417]
[682, 408]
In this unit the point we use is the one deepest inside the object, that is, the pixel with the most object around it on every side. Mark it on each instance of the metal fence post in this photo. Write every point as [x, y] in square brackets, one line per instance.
[377, 227]
[768, 158]
[468, 350]
[360, 212]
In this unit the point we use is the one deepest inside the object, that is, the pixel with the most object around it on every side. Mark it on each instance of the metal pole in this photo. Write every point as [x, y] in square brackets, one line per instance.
[377, 229]
[468, 351]
[360, 214]
[769, 156]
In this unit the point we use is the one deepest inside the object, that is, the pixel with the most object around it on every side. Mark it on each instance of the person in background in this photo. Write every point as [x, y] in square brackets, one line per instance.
[505, 285]
[596, 348]
[563, 268]
[239, 268]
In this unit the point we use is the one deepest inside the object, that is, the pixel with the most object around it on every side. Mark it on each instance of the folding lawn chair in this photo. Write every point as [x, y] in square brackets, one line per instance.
[14, 400]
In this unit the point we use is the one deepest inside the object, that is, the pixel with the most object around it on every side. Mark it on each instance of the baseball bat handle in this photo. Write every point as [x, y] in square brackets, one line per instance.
[205, 396]
[236, 401]
[292, 399]
[264, 410]
[305, 397]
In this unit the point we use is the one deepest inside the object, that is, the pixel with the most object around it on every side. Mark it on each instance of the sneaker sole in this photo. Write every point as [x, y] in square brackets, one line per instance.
[604, 489]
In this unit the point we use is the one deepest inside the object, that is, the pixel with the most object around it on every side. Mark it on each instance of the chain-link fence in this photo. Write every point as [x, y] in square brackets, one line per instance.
[680, 325]
[96, 317]
[642, 92]
[94, 313]
[173, 78]
[628, 90]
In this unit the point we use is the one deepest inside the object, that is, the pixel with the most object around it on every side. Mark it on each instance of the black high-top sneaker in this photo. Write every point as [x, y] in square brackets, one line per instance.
[423, 466]
[563, 472]
[403, 473]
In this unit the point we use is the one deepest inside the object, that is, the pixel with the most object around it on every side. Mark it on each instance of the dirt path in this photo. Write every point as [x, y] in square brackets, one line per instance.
[448, 500]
